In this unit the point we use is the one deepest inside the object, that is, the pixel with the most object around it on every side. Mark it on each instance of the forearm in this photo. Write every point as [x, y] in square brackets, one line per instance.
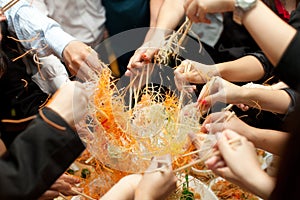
[245, 69]
[277, 101]
[170, 14]
[37, 157]
[260, 21]
[36, 30]
[260, 183]
[155, 6]
[269, 140]
[124, 189]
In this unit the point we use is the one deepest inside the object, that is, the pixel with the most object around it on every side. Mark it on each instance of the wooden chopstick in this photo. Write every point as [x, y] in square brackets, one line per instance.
[9, 5]
[63, 196]
[82, 194]
[233, 143]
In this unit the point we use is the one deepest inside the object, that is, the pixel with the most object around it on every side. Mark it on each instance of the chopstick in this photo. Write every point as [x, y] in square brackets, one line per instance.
[233, 143]
[82, 194]
[9, 5]
[63, 196]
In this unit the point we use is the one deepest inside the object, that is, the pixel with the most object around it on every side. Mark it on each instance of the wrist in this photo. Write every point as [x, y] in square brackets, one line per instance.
[241, 7]
[65, 114]
[139, 194]
[260, 183]
[244, 96]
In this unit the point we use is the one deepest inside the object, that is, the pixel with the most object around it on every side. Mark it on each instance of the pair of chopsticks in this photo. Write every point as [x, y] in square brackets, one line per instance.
[9, 5]
[233, 143]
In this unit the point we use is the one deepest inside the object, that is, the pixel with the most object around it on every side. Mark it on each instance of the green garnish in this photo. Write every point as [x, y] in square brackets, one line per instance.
[85, 173]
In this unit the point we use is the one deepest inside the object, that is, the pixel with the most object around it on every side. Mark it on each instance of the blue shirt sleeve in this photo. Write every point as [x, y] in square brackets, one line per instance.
[35, 30]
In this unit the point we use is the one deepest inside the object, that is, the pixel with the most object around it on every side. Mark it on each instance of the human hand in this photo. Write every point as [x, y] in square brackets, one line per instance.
[70, 102]
[193, 72]
[229, 166]
[220, 90]
[145, 54]
[63, 185]
[157, 184]
[81, 60]
[142, 57]
[220, 121]
[196, 10]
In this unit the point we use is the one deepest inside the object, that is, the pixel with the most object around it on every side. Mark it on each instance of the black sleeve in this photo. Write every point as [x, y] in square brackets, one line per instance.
[288, 68]
[295, 18]
[266, 64]
[37, 157]
[294, 97]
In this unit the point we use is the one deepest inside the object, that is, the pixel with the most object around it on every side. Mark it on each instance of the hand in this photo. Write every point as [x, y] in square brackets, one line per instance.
[70, 102]
[144, 55]
[196, 10]
[156, 184]
[220, 121]
[193, 72]
[140, 59]
[229, 165]
[220, 90]
[64, 185]
[81, 60]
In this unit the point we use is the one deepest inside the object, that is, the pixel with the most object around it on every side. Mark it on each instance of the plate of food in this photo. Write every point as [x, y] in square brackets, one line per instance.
[224, 189]
[191, 188]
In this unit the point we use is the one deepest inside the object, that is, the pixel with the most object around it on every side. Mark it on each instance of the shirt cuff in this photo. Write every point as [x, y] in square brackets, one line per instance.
[58, 40]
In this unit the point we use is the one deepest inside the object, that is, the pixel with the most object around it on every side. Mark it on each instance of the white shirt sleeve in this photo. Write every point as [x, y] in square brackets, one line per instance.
[35, 30]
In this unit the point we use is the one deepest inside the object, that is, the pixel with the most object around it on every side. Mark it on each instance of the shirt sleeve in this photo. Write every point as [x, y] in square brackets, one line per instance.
[266, 64]
[288, 68]
[35, 30]
[37, 157]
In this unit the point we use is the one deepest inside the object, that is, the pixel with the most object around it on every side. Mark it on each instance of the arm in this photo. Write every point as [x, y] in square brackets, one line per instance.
[246, 174]
[40, 154]
[221, 90]
[26, 22]
[234, 71]
[169, 16]
[269, 140]
[260, 19]
[156, 183]
[37, 157]
[44, 36]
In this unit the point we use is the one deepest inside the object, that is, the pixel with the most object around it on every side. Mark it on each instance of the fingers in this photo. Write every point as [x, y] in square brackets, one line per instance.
[223, 172]
[212, 162]
[195, 11]
[183, 74]
[214, 127]
[85, 72]
[140, 59]
[191, 10]
[223, 143]
[70, 179]
[179, 78]
[217, 117]
[92, 60]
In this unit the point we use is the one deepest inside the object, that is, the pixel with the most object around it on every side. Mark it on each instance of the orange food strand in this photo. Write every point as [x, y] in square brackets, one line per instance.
[104, 114]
